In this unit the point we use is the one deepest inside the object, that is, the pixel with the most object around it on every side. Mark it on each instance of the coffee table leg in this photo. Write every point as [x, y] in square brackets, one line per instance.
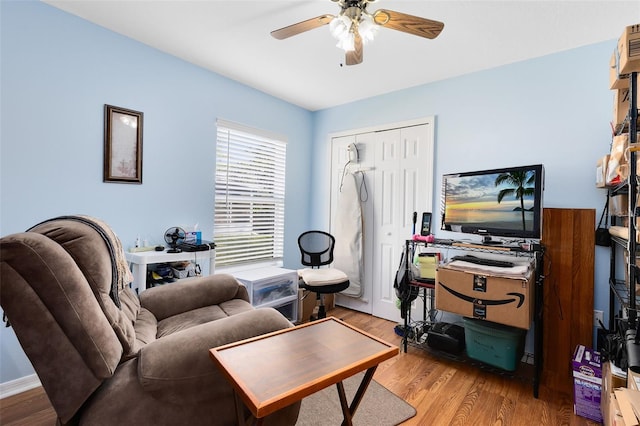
[242, 421]
[349, 411]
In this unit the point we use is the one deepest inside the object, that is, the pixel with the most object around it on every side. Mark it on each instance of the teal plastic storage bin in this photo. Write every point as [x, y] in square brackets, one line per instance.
[494, 344]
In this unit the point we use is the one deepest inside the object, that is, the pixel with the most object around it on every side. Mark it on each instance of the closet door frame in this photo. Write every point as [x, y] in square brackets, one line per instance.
[366, 140]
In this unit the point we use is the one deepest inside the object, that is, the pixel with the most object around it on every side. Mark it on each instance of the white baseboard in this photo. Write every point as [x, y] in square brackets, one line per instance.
[17, 386]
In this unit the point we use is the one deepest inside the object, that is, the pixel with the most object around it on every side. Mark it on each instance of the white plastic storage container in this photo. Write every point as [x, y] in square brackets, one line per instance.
[274, 287]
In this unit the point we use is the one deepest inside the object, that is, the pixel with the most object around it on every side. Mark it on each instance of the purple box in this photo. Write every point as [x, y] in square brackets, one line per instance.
[587, 383]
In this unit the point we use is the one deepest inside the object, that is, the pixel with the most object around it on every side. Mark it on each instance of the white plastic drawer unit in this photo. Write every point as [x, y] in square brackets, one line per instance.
[289, 310]
[271, 286]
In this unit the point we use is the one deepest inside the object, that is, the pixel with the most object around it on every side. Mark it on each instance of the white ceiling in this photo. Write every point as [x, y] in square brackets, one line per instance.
[232, 38]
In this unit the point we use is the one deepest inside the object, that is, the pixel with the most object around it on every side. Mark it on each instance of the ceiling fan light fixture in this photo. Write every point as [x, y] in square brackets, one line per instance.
[340, 26]
[354, 26]
[367, 28]
[347, 42]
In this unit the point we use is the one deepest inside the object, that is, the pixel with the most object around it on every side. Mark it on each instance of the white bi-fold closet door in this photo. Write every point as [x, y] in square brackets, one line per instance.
[394, 177]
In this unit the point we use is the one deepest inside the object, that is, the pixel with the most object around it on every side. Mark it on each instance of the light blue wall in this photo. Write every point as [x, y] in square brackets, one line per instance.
[553, 110]
[57, 72]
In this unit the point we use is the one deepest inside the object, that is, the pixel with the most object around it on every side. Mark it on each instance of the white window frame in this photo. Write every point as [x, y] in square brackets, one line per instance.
[249, 197]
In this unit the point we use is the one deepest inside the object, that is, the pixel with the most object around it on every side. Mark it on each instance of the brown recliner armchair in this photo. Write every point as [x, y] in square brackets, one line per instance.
[105, 356]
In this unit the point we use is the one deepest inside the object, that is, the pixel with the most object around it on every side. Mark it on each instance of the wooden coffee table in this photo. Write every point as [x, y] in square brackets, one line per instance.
[272, 371]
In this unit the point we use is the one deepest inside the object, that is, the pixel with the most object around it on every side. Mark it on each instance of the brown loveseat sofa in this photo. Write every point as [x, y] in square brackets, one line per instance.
[105, 356]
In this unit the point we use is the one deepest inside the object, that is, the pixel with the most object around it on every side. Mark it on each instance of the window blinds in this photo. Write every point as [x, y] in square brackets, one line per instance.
[249, 195]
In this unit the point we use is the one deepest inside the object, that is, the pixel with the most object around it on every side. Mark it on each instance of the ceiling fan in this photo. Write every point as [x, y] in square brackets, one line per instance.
[354, 26]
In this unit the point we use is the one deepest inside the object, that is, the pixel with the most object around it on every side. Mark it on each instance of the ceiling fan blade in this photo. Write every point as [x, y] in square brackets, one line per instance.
[354, 57]
[301, 27]
[415, 25]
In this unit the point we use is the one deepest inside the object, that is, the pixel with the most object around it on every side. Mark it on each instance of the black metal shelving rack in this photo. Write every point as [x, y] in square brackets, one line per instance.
[537, 254]
[623, 291]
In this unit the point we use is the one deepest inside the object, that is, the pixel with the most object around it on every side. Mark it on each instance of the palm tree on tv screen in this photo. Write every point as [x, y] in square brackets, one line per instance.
[519, 181]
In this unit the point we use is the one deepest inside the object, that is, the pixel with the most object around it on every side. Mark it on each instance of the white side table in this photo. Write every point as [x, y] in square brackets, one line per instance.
[140, 260]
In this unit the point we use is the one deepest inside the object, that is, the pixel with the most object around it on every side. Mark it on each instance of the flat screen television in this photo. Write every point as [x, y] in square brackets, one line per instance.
[503, 202]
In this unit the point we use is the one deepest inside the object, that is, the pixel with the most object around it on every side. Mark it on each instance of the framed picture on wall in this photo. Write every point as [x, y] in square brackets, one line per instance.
[122, 145]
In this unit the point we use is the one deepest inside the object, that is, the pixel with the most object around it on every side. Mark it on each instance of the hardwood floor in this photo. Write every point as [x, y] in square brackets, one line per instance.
[448, 392]
[444, 392]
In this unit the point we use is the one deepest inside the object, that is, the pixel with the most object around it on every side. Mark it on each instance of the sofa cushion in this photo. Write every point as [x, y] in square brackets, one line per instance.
[192, 293]
[175, 364]
[235, 306]
[146, 327]
[199, 316]
[322, 276]
[90, 252]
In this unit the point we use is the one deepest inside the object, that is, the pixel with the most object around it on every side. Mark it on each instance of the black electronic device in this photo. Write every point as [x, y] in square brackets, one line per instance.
[444, 241]
[425, 229]
[415, 219]
[484, 261]
[191, 247]
[504, 202]
[446, 337]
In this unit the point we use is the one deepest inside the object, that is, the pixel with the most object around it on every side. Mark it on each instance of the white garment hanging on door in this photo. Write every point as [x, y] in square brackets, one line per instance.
[347, 254]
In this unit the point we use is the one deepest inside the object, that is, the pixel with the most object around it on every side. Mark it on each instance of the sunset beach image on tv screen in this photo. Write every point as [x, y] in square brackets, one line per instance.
[500, 200]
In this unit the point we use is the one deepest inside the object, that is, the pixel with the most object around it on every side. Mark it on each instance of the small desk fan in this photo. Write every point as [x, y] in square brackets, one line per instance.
[173, 237]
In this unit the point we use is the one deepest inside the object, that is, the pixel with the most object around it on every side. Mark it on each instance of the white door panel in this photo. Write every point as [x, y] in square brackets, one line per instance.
[388, 205]
[399, 180]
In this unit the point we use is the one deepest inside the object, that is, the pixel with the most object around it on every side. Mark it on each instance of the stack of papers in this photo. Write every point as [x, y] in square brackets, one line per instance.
[629, 403]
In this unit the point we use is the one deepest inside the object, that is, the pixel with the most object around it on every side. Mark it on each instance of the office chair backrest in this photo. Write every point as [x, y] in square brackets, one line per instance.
[316, 248]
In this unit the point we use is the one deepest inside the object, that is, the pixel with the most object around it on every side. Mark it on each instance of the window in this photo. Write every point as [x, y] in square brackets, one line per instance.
[249, 204]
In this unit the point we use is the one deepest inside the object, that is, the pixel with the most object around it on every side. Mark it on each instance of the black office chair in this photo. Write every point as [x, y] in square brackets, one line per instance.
[316, 248]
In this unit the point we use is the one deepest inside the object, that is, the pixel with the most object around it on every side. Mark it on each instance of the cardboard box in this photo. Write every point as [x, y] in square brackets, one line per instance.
[611, 415]
[615, 375]
[614, 415]
[587, 383]
[628, 50]
[633, 380]
[620, 106]
[628, 404]
[617, 81]
[308, 303]
[621, 109]
[194, 237]
[300, 305]
[612, 378]
[508, 301]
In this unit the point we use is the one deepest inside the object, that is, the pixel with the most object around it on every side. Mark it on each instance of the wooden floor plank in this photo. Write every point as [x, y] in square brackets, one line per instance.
[444, 392]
